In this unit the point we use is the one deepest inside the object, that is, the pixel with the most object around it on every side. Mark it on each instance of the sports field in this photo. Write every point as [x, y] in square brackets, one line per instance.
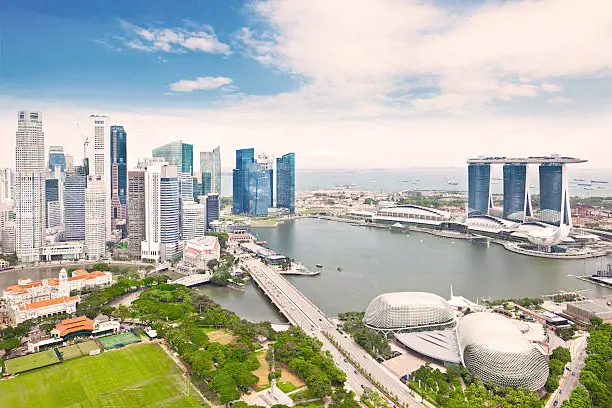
[118, 340]
[29, 362]
[87, 346]
[141, 376]
[69, 352]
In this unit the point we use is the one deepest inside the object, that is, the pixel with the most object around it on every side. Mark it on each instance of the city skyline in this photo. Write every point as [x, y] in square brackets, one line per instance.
[256, 70]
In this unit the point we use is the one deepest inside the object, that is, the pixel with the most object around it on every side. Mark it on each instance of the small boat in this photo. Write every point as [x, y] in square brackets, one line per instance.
[339, 269]
[319, 265]
[599, 181]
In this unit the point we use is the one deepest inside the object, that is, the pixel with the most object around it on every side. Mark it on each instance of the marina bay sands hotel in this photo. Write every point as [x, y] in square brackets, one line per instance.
[554, 196]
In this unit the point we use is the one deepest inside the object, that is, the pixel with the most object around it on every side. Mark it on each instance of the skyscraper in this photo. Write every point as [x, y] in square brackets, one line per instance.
[554, 198]
[193, 223]
[95, 217]
[266, 162]
[260, 186]
[136, 212]
[177, 154]
[162, 209]
[210, 166]
[30, 172]
[98, 161]
[285, 182]
[74, 204]
[53, 208]
[517, 200]
[479, 189]
[118, 175]
[186, 186]
[57, 158]
[7, 184]
[240, 181]
[213, 206]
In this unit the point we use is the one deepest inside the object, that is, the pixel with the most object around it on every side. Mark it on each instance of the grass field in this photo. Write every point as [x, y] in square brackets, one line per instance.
[118, 340]
[286, 386]
[69, 352]
[29, 362]
[141, 376]
[87, 346]
[221, 336]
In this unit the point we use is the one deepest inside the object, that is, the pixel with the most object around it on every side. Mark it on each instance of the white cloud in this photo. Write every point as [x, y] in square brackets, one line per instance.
[175, 40]
[200, 83]
[559, 99]
[479, 54]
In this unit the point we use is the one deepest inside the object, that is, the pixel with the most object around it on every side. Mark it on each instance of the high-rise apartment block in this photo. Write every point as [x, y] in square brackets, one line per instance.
[193, 222]
[177, 154]
[29, 192]
[136, 212]
[285, 182]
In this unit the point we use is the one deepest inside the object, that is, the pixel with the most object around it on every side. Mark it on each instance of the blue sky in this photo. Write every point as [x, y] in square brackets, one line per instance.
[343, 83]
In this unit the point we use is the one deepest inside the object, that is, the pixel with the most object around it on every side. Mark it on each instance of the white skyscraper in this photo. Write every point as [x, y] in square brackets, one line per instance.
[29, 194]
[96, 216]
[98, 156]
[162, 208]
[193, 223]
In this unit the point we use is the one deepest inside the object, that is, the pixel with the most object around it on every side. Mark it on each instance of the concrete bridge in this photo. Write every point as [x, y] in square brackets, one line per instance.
[193, 280]
[346, 353]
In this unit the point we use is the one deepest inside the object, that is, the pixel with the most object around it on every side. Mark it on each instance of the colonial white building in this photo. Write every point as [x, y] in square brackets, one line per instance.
[20, 297]
[198, 252]
[43, 308]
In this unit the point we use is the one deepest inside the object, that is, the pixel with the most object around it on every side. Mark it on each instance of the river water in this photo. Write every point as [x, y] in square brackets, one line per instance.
[375, 261]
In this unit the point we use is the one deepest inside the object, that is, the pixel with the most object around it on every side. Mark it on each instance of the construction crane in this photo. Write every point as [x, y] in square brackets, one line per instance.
[85, 144]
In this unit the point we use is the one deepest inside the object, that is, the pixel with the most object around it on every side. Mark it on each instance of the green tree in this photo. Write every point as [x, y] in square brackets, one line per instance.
[596, 321]
[9, 344]
[107, 311]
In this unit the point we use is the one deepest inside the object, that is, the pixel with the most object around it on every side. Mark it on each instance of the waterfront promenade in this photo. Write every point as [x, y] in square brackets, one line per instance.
[303, 313]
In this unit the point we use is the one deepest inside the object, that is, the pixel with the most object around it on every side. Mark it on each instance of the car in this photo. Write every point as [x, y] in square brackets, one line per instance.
[555, 403]
[362, 386]
[573, 373]
[568, 369]
[560, 391]
[345, 360]
[356, 372]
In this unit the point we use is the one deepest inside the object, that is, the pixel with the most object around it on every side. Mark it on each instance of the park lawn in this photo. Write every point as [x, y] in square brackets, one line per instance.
[286, 386]
[29, 362]
[221, 336]
[313, 404]
[140, 376]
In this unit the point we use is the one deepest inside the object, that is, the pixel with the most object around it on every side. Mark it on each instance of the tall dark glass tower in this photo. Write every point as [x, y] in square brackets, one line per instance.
[74, 204]
[479, 189]
[554, 200]
[240, 181]
[118, 156]
[517, 200]
[285, 182]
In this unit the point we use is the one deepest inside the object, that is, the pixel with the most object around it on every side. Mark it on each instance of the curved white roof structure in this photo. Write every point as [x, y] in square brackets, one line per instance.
[493, 348]
[401, 311]
[548, 236]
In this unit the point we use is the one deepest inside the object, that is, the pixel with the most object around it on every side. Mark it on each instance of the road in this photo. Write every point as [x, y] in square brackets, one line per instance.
[568, 382]
[303, 313]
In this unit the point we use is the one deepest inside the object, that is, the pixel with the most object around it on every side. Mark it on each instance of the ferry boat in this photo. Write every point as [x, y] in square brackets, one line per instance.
[599, 181]
[319, 265]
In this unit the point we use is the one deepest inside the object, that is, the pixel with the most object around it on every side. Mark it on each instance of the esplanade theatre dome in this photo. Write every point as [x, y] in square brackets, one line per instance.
[402, 311]
[493, 348]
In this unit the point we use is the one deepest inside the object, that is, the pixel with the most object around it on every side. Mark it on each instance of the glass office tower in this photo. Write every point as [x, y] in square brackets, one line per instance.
[554, 200]
[285, 182]
[517, 200]
[177, 154]
[259, 190]
[57, 158]
[210, 166]
[479, 189]
[118, 156]
[240, 180]
[74, 204]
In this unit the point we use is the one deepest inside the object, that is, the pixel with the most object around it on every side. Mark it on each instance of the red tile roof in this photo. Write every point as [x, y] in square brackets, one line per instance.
[49, 302]
[80, 323]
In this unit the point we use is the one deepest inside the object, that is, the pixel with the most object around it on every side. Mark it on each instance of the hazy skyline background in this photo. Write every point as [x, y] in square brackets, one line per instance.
[343, 84]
